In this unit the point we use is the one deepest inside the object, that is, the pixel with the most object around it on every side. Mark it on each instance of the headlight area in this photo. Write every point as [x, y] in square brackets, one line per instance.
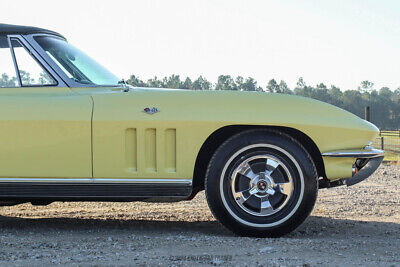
[366, 161]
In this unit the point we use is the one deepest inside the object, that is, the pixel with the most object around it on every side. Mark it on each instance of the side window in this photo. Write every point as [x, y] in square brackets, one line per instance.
[8, 77]
[30, 71]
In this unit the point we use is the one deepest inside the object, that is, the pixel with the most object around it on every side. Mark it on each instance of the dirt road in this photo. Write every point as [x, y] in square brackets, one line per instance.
[356, 225]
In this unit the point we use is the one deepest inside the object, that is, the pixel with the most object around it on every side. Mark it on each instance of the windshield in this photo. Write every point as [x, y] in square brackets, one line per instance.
[74, 63]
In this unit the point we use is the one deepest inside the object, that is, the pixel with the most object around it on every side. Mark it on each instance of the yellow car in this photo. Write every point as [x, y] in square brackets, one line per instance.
[72, 131]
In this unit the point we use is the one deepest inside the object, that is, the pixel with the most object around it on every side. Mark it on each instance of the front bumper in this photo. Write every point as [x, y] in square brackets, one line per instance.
[366, 163]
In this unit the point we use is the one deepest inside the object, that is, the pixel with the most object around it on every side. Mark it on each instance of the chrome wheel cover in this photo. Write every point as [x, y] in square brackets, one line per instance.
[245, 221]
[262, 186]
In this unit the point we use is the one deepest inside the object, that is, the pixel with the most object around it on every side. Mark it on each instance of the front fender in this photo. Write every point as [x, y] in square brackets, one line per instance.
[195, 115]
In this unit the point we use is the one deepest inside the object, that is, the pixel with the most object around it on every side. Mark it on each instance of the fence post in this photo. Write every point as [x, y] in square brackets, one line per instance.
[382, 144]
[367, 113]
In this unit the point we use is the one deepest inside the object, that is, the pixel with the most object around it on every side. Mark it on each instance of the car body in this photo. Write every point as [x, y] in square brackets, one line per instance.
[68, 138]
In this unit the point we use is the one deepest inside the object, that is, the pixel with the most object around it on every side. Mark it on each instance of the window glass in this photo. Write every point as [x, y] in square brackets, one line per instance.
[8, 76]
[30, 71]
[75, 64]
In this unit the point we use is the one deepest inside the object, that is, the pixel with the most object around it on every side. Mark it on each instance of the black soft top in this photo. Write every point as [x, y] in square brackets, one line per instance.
[6, 29]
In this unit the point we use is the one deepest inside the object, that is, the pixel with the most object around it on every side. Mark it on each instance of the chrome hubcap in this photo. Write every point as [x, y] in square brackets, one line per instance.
[261, 185]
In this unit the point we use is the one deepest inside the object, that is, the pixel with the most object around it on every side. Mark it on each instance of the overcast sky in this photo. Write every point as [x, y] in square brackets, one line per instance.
[339, 42]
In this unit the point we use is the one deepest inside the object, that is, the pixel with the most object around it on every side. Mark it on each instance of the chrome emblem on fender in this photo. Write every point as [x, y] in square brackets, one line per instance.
[151, 111]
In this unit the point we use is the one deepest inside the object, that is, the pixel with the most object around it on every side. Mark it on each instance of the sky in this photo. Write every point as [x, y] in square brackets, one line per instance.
[338, 42]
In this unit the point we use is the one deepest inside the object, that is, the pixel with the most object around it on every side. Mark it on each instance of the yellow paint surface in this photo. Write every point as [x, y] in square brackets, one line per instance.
[47, 131]
[195, 115]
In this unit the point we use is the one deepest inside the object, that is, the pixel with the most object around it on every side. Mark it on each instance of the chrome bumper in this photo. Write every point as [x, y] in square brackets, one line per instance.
[366, 163]
[365, 171]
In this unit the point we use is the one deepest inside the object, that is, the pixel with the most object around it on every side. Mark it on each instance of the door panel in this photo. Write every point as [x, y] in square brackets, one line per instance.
[45, 132]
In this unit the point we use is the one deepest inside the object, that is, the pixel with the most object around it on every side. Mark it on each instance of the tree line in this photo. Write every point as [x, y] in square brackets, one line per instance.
[384, 103]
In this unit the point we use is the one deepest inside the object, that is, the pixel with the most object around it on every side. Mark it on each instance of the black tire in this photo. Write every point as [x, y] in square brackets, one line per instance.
[237, 213]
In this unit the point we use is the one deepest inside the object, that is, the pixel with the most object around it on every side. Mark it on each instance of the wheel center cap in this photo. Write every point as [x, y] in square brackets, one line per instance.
[262, 185]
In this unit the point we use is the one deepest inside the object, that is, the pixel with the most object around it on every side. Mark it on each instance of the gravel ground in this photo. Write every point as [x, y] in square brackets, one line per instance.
[357, 225]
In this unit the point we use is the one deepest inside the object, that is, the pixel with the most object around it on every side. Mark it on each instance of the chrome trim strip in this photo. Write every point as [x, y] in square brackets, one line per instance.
[32, 51]
[39, 50]
[50, 62]
[15, 61]
[100, 180]
[361, 154]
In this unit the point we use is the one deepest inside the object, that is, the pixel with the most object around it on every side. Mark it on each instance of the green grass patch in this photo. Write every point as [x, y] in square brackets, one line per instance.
[391, 144]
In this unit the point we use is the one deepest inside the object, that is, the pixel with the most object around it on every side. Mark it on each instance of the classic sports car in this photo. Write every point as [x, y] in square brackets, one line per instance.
[72, 131]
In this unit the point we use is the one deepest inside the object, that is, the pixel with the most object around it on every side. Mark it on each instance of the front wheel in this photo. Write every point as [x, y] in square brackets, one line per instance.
[261, 183]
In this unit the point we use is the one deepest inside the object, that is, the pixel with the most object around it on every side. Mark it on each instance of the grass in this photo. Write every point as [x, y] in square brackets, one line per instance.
[390, 156]
[391, 144]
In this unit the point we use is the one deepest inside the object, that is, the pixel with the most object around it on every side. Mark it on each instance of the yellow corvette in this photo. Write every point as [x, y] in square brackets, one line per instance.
[70, 131]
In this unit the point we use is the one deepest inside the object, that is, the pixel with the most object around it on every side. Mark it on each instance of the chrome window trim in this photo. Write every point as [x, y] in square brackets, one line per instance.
[29, 51]
[14, 61]
[39, 59]
[70, 83]
[38, 49]
[98, 180]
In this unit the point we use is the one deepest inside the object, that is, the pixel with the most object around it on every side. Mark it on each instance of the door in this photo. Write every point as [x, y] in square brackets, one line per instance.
[45, 129]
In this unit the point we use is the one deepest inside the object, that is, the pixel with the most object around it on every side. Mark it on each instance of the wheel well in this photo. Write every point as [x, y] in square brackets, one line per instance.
[219, 136]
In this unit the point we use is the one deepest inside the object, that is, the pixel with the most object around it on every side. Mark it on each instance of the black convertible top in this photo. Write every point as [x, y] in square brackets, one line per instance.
[6, 29]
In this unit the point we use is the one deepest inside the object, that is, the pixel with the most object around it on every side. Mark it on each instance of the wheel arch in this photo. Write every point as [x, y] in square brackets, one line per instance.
[220, 135]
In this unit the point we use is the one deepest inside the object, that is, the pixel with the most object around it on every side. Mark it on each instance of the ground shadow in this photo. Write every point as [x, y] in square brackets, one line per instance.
[313, 227]
[132, 225]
